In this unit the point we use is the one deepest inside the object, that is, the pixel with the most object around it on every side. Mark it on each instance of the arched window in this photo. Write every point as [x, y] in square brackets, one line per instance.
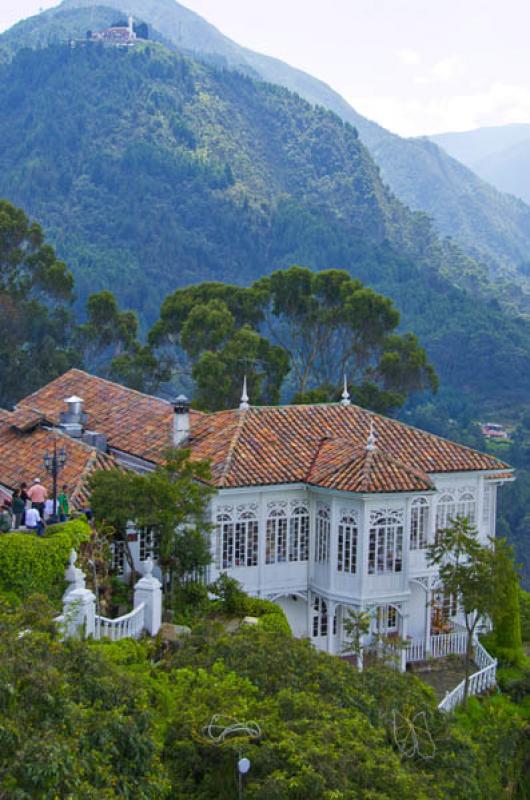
[445, 512]
[320, 617]
[385, 545]
[238, 542]
[466, 506]
[299, 534]
[246, 540]
[276, 537]
[225, 537]
[419, 523]
[347, 545]
[322, 536]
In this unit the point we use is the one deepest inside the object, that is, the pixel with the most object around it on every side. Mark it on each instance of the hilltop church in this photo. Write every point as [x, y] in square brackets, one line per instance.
[320, 508]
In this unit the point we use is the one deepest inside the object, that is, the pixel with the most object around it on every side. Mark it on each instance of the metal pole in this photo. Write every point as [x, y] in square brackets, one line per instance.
[55, 469]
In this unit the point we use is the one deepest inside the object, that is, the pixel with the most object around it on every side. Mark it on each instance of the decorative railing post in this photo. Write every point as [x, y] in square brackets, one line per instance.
[79, 613]
[148, 591]
[79, 603]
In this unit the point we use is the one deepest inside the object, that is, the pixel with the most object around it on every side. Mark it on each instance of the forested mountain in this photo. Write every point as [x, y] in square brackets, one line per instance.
[151, 171]
[488, 225]
[500, 155]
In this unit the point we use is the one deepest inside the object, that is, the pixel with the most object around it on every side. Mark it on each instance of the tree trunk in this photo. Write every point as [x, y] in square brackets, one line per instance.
[469, 652]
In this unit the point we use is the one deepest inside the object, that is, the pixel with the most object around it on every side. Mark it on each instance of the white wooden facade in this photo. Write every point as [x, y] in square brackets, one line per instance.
[317, 552]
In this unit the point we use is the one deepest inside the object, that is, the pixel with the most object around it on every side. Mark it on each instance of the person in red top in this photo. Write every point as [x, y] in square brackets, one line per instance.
[38, 494]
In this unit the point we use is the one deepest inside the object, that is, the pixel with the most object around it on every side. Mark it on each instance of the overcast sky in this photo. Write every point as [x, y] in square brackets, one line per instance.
[415, 66]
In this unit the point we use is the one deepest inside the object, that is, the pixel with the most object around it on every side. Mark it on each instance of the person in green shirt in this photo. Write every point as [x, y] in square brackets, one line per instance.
[18, 505]
[5, 518]
[63, 504]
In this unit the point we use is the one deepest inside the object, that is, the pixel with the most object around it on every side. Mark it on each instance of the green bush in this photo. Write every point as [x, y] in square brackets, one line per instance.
[30, 564]
[275, 622]
[525, 615]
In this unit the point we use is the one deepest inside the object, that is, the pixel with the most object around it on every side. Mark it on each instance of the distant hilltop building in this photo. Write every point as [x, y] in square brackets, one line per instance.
[122, 34]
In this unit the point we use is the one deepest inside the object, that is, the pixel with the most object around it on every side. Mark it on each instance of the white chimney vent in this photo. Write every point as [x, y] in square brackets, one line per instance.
[73, 419]
[181, 420]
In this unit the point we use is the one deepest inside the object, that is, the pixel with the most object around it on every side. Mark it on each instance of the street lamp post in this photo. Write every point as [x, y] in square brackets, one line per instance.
[53, 464]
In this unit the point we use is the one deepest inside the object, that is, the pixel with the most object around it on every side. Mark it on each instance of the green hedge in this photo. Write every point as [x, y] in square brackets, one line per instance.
[31, 564]
[525, 616]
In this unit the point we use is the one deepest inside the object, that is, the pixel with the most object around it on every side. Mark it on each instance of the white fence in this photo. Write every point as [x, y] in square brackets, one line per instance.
[447, 644]
[130, 626]
[79, 616]
[455, 643]
[479, 682]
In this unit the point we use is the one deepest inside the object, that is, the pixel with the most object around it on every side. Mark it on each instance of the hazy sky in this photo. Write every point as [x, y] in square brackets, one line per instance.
[415, 66]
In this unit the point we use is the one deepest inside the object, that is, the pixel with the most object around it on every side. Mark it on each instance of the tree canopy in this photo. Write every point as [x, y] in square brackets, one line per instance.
[294, 333]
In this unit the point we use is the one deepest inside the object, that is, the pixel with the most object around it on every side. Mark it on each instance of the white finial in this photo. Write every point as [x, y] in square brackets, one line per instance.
[371, 442]
[345, 395]
[148, 568]
[244, 404]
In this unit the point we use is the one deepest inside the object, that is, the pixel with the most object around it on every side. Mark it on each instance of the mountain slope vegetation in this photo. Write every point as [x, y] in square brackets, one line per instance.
[500, 155]
[152, 171]
[487, 224]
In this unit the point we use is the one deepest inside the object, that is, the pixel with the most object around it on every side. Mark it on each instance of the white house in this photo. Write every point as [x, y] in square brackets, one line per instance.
[320, 508]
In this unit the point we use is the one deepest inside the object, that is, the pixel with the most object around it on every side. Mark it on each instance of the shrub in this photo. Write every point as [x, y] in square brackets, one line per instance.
[525, 615]
[30, 564]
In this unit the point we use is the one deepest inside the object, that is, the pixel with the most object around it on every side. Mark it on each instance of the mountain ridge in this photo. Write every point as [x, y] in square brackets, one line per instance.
[499, 154]
[490, 226]
[150, 171]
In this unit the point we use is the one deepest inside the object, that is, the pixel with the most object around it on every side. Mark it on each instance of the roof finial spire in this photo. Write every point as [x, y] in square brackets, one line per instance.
[371, 441]
[345, 395]
[244, 404]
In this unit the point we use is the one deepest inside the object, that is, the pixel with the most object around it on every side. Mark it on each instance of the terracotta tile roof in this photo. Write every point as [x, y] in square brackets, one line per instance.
[22, 459]
[502, 476]
[324, 444]
[133, 422]
[341, 465]
[25, 419]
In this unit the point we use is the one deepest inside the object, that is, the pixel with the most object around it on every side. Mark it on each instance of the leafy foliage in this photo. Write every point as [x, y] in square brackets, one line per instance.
[30, 564]
[319, 326]
[169, 502]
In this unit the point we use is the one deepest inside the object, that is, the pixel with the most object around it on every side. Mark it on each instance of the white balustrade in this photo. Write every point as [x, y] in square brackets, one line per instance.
[415, 650]
[446, 644]
[130, 626]
[479, 682]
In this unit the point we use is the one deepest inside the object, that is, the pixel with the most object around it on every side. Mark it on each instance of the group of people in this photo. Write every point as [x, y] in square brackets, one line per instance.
[32, 509]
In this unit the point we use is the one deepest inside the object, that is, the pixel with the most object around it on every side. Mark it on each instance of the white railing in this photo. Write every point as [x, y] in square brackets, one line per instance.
[479, 682]
[446, 644]
[130, 626]
[440, 646]
[415, 650]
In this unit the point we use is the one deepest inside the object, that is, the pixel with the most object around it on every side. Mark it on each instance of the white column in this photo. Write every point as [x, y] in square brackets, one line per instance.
[362, 547]
[330, 639]
[404, 633]
[309, 615]
[428, 593]
[479, 507]
[333, 543]
[262, 533]
[149, 591]
[405, 567]
[79, 611]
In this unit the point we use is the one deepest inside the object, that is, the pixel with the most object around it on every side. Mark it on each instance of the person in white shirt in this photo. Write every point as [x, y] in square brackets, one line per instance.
[34, 521]
[48, 509]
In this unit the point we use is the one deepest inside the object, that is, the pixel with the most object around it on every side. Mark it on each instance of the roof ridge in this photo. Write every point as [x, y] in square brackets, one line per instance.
[91, 464]
[83, 372]
[232, 445]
